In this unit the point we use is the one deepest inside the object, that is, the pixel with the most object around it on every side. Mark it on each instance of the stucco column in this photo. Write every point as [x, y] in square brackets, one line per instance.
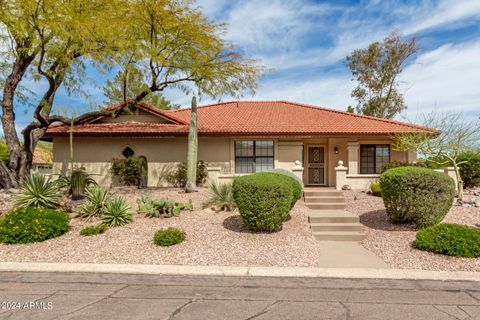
[352, 149]
[450, 171]
[341, 173]
[213, 174]
[298, 170]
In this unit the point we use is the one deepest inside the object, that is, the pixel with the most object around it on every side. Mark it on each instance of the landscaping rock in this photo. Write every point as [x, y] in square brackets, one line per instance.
[346, 187]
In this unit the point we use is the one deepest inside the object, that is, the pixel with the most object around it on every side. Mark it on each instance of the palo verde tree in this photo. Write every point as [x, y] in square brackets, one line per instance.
[169, 41]
[128, 83]
[455, 137]
[376, 69]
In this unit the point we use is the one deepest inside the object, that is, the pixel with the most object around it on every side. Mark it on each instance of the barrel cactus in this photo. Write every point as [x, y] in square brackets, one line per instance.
[78, 184]
[143, 172]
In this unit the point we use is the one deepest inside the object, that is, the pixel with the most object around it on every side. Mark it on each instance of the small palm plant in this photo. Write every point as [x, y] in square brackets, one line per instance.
[116, 212]
[38, 192]
[97, 198]
[221, 197]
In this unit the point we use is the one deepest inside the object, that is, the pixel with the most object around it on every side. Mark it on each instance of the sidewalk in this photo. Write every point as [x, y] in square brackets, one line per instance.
[348, 273]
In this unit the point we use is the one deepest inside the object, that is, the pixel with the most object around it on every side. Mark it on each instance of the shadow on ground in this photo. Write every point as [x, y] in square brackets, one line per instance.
[378, 220]
[236, 224]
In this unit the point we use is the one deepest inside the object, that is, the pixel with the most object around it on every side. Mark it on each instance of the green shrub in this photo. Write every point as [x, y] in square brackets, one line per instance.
[4, 154]
[470, 171]
[178, 177]
[97, 198]
[419, 195]
[221, 197]
[37, 191]
[94, 230]
[295, 183]
[263, 199]
[168, 237]
[116, 212]
[26, 225]
[397, 164]
[450, 239]
[128, 170]
[162, 207]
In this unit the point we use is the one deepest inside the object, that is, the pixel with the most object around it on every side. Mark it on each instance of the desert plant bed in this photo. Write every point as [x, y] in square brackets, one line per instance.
[212, 238]
[394, 243]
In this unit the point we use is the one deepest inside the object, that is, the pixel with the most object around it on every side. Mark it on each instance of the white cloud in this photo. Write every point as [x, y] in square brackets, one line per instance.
[445, 79]
[446, 12]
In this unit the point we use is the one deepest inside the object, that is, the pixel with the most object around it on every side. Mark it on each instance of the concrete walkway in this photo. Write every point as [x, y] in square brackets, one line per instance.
[84, 296]
[347, 254]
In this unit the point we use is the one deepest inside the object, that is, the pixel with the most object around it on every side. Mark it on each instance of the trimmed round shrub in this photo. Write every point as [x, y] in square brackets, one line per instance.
[168, 237]
[375, 187]
[450, 239]
[26, 225]
[264, 200]
[416, 195]
[294, 181]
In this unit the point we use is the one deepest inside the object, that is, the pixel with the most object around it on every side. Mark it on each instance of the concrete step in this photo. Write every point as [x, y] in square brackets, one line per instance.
[338, 236]
[332, 216]
[320, 193]
[330, 199]
[326, 206]
[338, 226]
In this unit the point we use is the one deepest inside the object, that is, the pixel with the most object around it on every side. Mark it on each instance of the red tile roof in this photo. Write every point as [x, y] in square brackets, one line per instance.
[254, 118]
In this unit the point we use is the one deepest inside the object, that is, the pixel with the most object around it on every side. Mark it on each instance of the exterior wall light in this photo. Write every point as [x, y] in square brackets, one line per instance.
[336, 150]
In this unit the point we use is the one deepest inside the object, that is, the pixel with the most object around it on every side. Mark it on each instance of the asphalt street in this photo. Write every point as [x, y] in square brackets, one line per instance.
[30, 295]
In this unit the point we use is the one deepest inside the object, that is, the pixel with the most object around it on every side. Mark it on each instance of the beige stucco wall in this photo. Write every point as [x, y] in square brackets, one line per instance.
[163, 154]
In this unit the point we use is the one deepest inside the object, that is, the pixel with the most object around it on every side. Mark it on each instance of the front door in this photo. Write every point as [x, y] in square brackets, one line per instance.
[316, 165]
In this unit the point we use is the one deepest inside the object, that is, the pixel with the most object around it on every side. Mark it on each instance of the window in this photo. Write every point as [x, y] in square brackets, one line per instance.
[373, 157]
[253, 156]
[128, 152]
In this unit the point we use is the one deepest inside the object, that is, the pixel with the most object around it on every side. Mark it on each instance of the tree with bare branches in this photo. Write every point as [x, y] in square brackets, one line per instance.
[456, 136]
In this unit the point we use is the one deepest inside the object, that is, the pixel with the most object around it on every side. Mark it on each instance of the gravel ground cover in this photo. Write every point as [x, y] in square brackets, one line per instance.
[212, 239]
[394, 243]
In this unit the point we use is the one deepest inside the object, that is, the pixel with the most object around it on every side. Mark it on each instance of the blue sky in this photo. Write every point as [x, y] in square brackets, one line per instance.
[305, 43]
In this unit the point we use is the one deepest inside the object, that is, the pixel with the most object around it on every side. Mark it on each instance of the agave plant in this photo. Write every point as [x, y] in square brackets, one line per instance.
[38, 192]
[116, 212]
[97, 198]
[221, 197]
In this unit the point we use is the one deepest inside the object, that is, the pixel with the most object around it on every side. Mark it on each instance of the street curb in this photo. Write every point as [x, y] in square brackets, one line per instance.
[298, 272]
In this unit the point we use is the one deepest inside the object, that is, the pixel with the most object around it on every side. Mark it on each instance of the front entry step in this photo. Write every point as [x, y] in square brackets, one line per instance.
[328, 219]
[338, 235]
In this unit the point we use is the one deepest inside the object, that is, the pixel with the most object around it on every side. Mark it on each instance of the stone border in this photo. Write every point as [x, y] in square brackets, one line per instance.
[302, 272]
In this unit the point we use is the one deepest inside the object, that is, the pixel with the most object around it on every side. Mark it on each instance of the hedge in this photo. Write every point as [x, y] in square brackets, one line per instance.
[263, 199]
[417, 195]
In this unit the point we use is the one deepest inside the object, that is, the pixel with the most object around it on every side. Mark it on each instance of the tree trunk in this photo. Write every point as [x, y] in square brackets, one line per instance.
[191, 185]
[11, 175]
[459, 180]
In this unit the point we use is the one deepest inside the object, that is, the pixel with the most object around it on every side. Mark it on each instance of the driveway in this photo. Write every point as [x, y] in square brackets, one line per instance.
[122, 296]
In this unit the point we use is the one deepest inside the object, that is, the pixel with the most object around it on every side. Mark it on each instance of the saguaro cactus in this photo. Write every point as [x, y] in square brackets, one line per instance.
[191, 185]
[78, 184]
[143, 168]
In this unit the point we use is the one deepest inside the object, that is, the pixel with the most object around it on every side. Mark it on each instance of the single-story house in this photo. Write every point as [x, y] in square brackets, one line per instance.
[324, 147]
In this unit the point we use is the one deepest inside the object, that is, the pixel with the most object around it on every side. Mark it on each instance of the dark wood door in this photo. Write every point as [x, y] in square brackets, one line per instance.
[316, 165]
